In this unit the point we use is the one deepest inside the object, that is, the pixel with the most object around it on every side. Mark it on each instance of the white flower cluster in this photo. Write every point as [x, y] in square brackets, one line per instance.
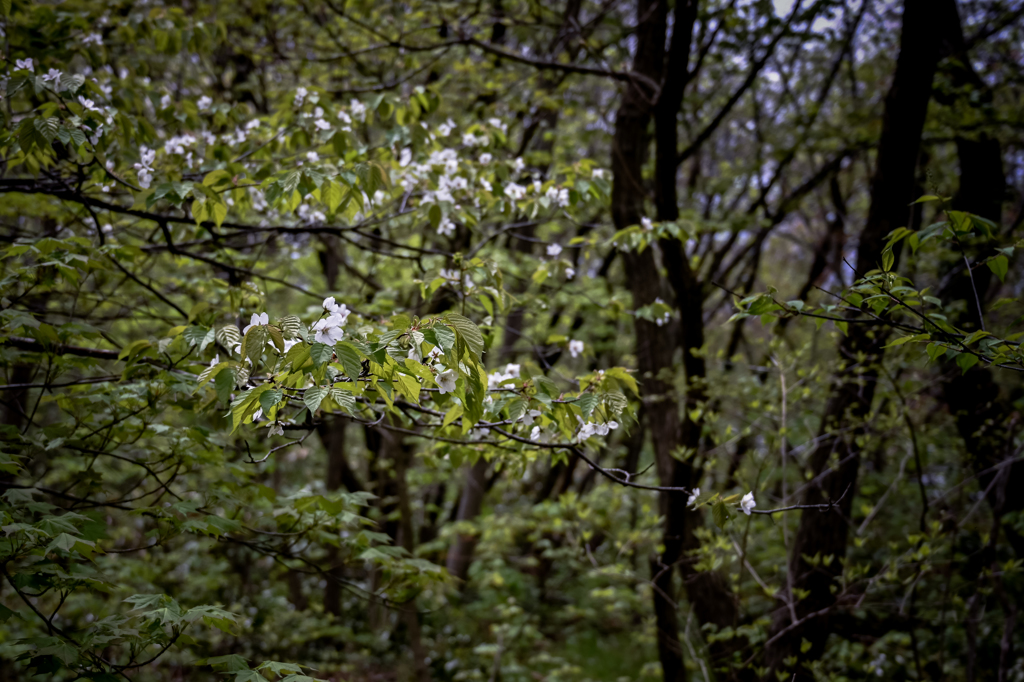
[494, 379]
[575, 348]
[588, 429]
[329, 329]
[747, 504]
[144, 168]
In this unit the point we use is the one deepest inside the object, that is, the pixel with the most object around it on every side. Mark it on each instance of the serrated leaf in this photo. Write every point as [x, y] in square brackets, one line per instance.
[229, 336]
[269, 399]
[720, 514]
[321, 353]
[348, 356]
[469, 332]
[344, 398]
[47, 127]
[314, 396]
[587, 402]
[291, 326]
[253, 343]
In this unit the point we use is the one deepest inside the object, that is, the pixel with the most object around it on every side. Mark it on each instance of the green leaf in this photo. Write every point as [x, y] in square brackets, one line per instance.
[314, 396]
[720, 514]
[348, 356]
[269, 399]
[321, 353]
[199, 336]
[999, 266]
[344, 398]
[469, 332]
[965, 361]
[253, 343]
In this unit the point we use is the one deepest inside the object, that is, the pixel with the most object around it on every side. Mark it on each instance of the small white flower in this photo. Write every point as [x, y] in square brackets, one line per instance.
[25, 64]
[446, 228]
[535, 433]
[257, 414]
[165, 101]
[300, 96]
[406, 158]
[446, 128]
[257, 320]
[646, 223]
[88, 104]
[554, 250]
[518, 165]
[92, 39]
[597, 173]
[52, 76]
[330, 305]
[328, 335]
[570, 273]
[485, 159]
[322, 124]
[446, 381]
[748, 503]
[358, 109]
[514, 191]
[204, 103]
[276, 429]
[512, 370]
[312, 156]
[691, 501]
[575, 348]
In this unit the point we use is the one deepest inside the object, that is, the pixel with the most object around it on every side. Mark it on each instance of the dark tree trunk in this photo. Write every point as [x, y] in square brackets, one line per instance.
[892, 190]
[460, 556]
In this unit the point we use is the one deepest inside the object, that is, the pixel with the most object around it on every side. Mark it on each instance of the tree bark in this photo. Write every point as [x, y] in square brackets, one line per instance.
[892, 190]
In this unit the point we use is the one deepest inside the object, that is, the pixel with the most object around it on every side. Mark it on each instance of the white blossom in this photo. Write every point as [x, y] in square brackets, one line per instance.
[204, 103]
[691, 501]
[446, 381]
[406, 157]
[145, 166]
[588, 429]
[25, 64]
[300, 96]
[88, 104]
[165, 101]
[512, 370]
[646, 223]
[485, 159]
[570, 273]
[322, 124]
[554, 250]
[358, 109]
[575, 348]
[257, 320]
[559, 196]
[518, 165]
[446, 228]
[535, 433]
[313, 157]
[446, 128]
[92, 39]
[328, 330]
[276, 429]
[748, 503]
[499, 124]
[52, 76]
[597, 173]
[514, 191]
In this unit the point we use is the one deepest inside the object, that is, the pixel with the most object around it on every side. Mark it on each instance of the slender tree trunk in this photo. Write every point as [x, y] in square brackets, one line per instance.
[460, 556]
[824, 535]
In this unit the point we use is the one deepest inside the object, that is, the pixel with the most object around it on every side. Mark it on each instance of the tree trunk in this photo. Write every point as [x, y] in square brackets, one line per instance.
[892, 190]
[460, 556]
